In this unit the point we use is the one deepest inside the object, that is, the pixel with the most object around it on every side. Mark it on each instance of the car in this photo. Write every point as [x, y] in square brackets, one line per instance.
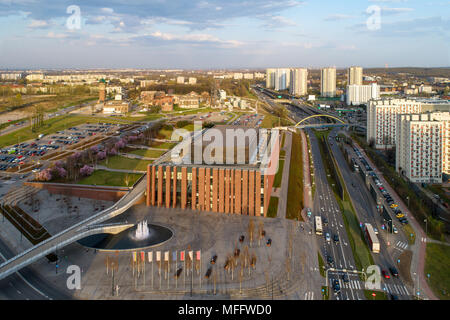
[336, 286]
[214, 259]
[404, 221]
[308, 212]
[399, 215]
[393, 271]
[325, 221]
[394, 205]
[330, 260]
[269, 242]
[394, 297]
[336, 238]
[327, 237]
[394, 229]
[345, 278]
[385, 274]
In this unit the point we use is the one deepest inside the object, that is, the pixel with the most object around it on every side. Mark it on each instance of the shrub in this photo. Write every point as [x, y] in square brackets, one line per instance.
[86, 170]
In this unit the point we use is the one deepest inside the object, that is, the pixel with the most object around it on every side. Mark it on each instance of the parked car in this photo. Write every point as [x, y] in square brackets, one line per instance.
[385, 274]
[393, 271]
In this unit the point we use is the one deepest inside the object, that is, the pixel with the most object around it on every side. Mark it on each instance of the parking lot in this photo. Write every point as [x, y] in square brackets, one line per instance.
[33, 150]
[250, 120]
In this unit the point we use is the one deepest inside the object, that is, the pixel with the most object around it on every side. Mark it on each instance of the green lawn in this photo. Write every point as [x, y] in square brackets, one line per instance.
[146, 153]
[123, 163]
[273, 207]
[279, 175]
[437, 262]
[163, 145]
[321, 265]
[108, 178]
[295, 185]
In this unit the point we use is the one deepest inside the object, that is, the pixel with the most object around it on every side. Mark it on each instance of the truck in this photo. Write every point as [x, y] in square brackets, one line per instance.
[372, 239]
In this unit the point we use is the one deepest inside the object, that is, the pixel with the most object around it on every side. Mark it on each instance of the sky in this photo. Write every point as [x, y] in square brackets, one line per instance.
[231, 34]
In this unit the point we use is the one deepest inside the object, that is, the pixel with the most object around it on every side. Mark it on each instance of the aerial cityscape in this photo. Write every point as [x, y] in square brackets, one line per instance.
[211, 150]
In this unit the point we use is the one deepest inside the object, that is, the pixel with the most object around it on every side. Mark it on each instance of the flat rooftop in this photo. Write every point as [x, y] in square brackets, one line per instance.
[223, 146]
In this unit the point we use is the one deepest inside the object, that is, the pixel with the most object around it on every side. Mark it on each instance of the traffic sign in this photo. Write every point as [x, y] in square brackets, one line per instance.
[398, 261]
[374, 294]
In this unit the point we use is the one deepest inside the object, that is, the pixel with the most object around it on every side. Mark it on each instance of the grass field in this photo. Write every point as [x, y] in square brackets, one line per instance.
[295, 188]
[279, 175]
[108, 178]
[273, 207]
[123, 163]
[321, 264]
[437, 262]
[49, 103]
[162, 145]
[146, 153]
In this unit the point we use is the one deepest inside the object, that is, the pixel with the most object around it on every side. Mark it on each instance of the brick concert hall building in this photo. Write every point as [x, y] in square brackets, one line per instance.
[234, 187]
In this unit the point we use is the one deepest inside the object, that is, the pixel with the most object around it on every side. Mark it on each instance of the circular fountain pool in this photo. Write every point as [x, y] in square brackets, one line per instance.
[141, 236]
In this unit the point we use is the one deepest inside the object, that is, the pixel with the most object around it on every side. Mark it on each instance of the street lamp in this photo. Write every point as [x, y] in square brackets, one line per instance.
[426, 226]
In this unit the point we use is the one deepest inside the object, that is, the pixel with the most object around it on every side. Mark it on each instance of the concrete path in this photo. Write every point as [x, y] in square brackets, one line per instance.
[98, 167]
[282, 202]
[307, 188]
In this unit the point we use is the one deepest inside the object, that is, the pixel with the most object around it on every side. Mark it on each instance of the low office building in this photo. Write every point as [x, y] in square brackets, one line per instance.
[116, 106]
[234, 178]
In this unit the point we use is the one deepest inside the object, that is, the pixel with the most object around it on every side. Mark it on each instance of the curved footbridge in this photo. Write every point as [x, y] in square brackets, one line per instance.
[88, 227]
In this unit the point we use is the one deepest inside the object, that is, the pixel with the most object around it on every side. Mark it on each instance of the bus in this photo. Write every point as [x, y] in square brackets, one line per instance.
[318, 223]
[372, 238]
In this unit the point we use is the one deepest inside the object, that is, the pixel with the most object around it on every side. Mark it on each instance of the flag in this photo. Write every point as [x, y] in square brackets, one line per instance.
[142, 256]
[182, 256]
[134, 256]
[158, 255]
[191, 255]
[150, 256]
[174, 256]
[198, 255]
[166, 256]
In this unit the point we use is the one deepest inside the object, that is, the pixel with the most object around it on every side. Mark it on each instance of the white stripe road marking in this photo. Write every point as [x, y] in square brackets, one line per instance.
[407, 292]
[396, 289]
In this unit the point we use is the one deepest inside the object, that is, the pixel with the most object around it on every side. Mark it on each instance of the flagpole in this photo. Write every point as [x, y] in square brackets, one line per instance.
[176, 271]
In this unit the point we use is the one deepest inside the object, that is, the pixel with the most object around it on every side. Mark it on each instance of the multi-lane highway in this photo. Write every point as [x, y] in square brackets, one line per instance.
[366, 211]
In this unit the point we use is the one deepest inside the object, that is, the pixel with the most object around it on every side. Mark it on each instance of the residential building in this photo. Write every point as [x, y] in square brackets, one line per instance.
[355, 76]
[423, 146]
[382, 119]
[361, 94]
[238, 76]
[328, 82]
[116, 106]
[189, 101]
[192, 80]
[180, 80]
[299, 82]
[165, 102]
[282, 78]
[270, 78]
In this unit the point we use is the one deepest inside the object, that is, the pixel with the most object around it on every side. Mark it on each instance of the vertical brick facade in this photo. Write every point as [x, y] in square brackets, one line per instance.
[221, 190]
[258, 193]
[153, 191]
[251, 193]
[149, 188]
[215, 193]
[168, 171]
[194, 188]
[208, 189]
[183, 187]
[174, 195]
[160, 186]
[244, 192]
[201, 189]
[237, 192]
[227, 190]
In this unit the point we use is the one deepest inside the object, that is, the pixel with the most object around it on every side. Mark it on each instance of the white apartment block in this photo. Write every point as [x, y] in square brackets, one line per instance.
[180, 80]
[238, 76]
[328, 82]
[355, 76]
[248, 76]
[270, 78]
[299, 84]
[382, 119]
[282, 78]
[423, 146]
[361, 94]
[10, 76]
[192, 80]
[259, 75]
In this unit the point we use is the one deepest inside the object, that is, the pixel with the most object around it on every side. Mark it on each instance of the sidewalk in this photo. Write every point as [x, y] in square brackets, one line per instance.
[419, 246]
[307, 188]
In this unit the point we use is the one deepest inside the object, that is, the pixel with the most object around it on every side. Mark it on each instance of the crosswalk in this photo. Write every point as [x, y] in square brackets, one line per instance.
[309, 295]
[401, 245]
[396, 289]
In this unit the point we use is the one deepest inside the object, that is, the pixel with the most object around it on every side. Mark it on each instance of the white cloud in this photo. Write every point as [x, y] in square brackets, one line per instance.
[38, 24]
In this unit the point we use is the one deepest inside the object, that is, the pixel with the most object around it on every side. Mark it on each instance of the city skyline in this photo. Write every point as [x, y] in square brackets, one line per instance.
[217, 35]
